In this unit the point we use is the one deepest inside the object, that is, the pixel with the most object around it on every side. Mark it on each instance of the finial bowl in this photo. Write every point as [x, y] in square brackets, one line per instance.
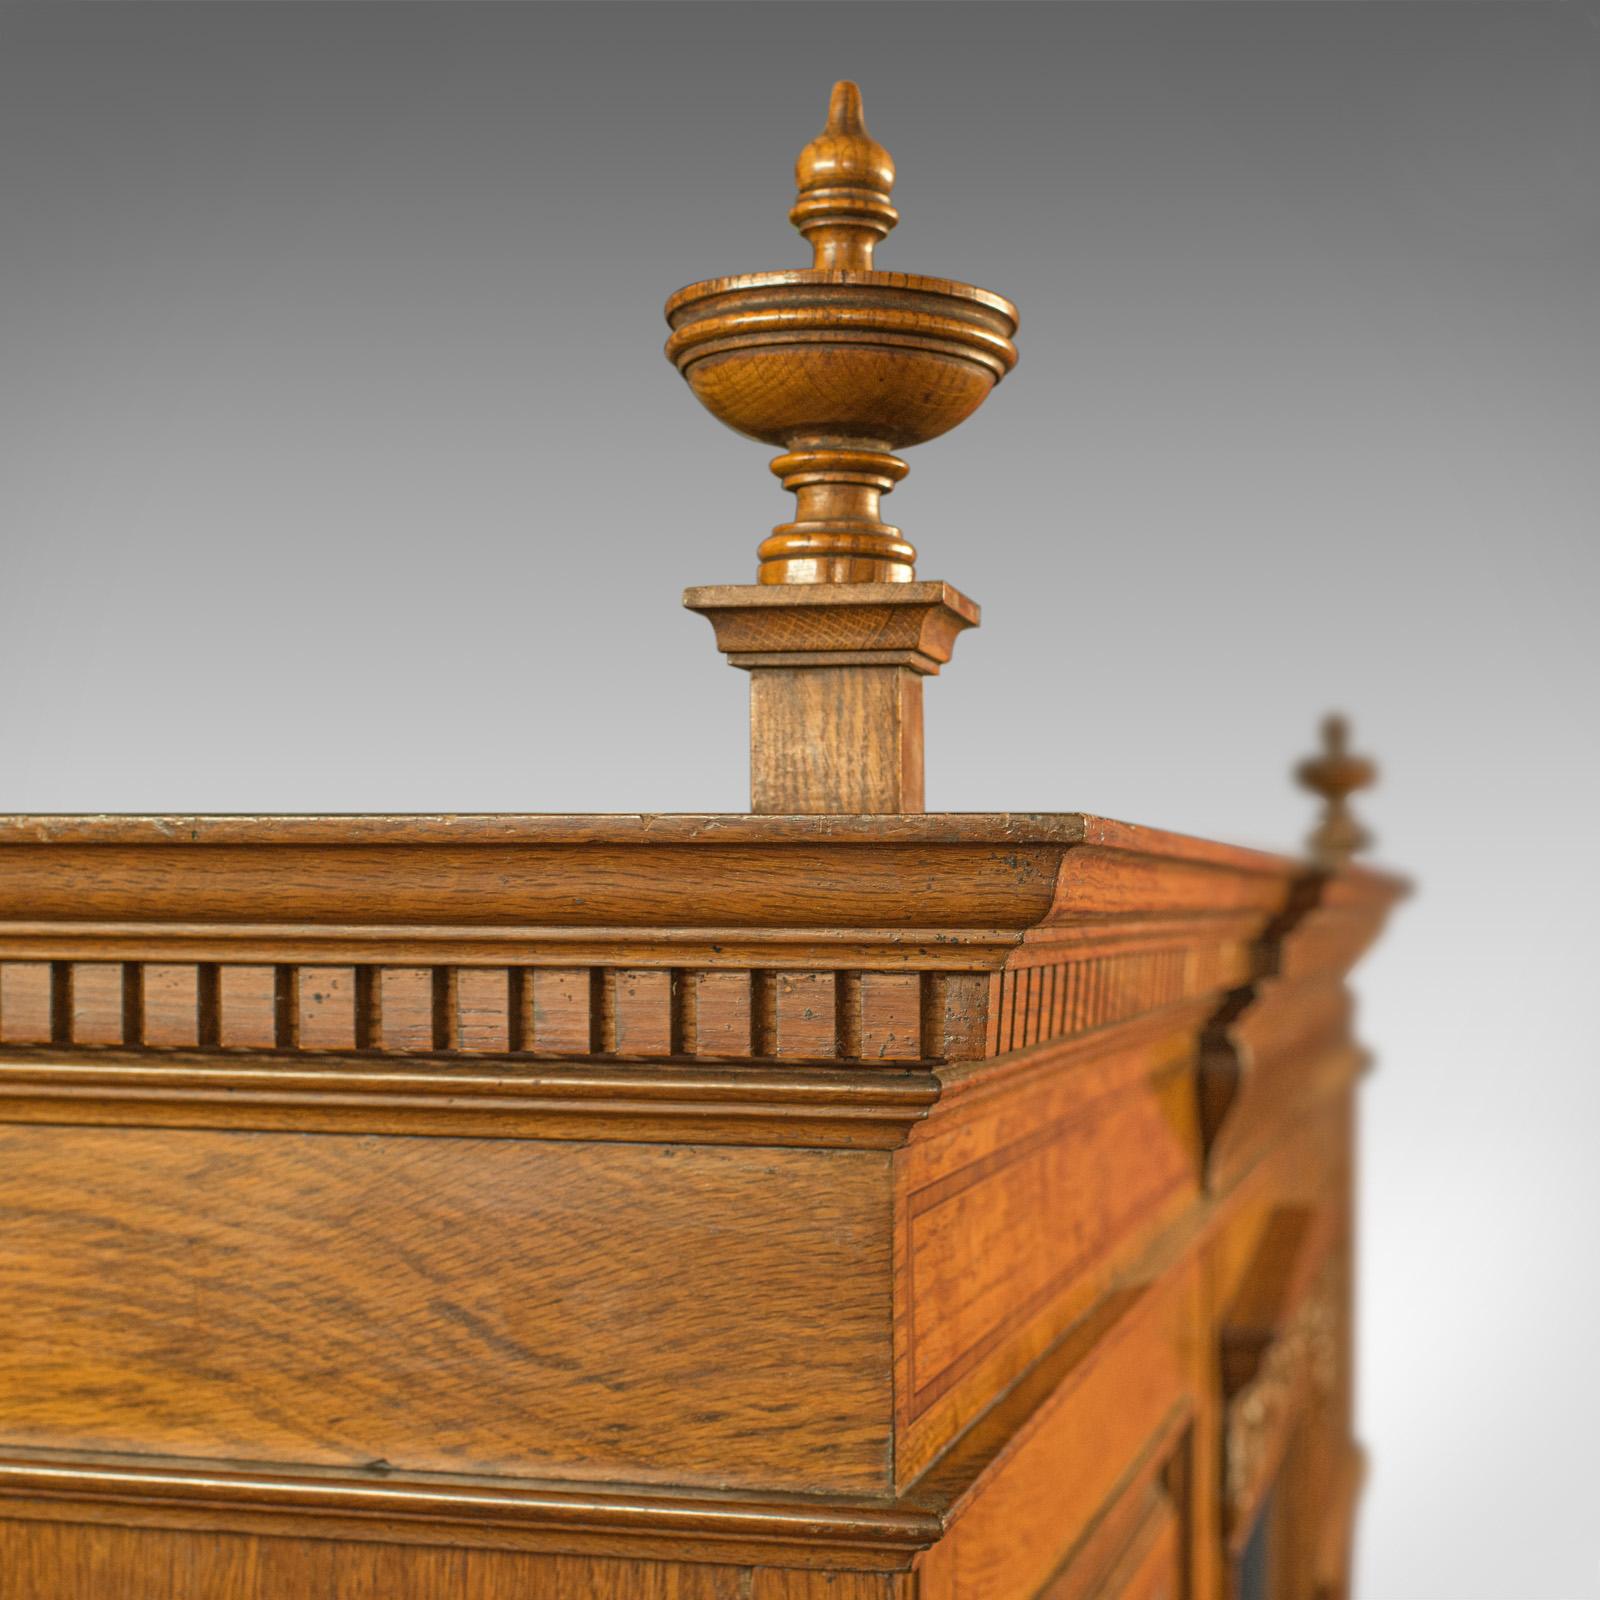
[880, 356]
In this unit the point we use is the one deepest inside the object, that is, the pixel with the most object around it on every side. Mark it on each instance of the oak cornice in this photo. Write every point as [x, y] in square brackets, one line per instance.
[940, 874]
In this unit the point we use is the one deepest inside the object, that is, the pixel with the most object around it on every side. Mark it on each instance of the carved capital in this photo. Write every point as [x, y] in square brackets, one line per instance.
[835, 625]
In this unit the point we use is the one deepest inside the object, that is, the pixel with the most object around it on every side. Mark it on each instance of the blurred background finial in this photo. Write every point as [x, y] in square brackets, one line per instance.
[1336, 774]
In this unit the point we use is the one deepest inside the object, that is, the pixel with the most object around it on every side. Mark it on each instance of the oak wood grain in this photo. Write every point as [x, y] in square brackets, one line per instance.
[45, 1561]
[1010, 1530]
[484, 1305]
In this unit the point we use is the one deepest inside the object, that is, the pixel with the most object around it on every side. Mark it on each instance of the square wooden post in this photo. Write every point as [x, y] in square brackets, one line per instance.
[836, 674]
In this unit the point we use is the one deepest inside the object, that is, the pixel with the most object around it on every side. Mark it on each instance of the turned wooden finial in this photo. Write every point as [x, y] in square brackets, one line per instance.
[840, 365]
[844, 177]
[1336, 774]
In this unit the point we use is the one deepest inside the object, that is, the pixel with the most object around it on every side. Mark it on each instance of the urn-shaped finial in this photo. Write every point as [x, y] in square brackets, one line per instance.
[839, 364]
[1335, 775]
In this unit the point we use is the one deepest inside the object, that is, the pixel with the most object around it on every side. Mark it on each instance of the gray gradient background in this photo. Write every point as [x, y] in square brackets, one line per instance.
[341, 470]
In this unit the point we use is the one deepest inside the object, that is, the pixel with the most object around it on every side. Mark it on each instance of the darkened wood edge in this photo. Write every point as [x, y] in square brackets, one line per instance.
[997, 829]
[1330, 1073]
[930, 949]
[954, 1479]
[947, 949]
[933, 827]
[916, 282]
[495, 1513]
[1225, 1069]
[1127, 930]
[824, 1106]
[757, 885]
[621, 828]
[963, 1083]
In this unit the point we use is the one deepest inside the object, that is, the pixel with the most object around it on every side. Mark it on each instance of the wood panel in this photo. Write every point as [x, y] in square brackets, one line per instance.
[407, 1023]
[171, 1005]
[805, 1019]
[327, 1006]
[806, 1161]
[51, 1561]
[487, 1306]
[55, 1561]
[645, 1015]
[1154, 1567]
[1126, 1392]
[26, 1009]
[97, 1002]
[1288, 1045]
[1011, 1208]
[773, 1583]
[483, 1023]
[248, 1007]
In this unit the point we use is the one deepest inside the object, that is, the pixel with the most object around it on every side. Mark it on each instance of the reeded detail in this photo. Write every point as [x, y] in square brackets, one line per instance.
[1056, 1000]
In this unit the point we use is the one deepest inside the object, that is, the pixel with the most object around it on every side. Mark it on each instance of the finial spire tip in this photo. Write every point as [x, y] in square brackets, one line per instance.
[844, 109]
[844, 177]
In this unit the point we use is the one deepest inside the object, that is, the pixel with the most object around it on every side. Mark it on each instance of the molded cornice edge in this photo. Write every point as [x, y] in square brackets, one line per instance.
[492, 1513]
[871, 1108]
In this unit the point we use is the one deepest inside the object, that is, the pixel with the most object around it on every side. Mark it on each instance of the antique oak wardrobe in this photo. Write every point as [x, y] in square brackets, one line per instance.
[830, 1200]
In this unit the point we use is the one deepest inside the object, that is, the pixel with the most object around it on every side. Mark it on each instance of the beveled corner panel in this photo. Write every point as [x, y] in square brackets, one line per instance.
[1017, 1201]
[1027, 1522]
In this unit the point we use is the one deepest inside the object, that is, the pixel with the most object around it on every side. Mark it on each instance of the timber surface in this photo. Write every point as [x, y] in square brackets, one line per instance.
[680, 1206]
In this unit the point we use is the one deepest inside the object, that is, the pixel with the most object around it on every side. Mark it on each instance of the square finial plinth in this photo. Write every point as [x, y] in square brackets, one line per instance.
[836, 674]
